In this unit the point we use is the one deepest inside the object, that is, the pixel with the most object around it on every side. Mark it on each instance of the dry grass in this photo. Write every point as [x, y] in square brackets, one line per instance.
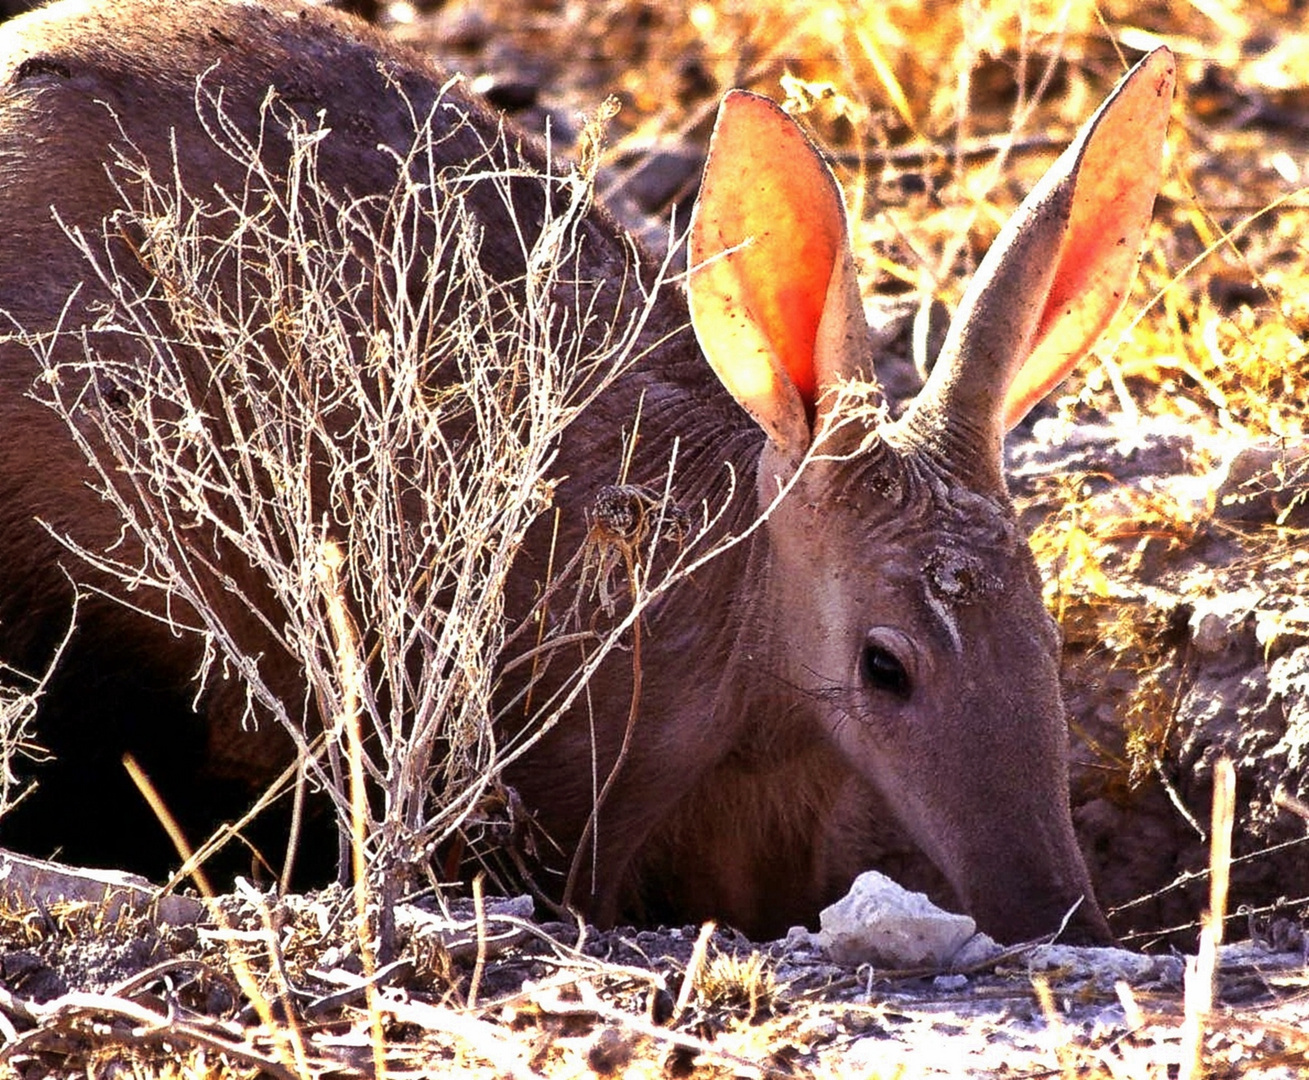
[20, 745]
[389, 591]
[17, 736]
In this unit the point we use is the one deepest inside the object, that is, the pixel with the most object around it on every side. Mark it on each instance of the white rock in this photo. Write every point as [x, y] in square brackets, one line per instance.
[978, 949]
[799, 939]
[1106, 966]
[879, 922]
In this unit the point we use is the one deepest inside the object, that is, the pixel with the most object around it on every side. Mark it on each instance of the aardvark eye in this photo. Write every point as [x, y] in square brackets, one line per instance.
[882, 670]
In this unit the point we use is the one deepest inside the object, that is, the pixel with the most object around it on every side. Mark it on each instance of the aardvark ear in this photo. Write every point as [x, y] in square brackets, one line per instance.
[1059, 270]
[1116, 166]
[773, 293]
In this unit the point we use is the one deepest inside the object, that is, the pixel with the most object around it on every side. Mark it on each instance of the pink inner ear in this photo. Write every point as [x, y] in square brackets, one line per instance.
[767, 188]
[790, 317]
[1115, 184]
[1111, 211]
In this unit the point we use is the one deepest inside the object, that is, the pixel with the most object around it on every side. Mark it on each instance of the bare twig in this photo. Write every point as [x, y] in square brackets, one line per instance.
[1201, 971]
